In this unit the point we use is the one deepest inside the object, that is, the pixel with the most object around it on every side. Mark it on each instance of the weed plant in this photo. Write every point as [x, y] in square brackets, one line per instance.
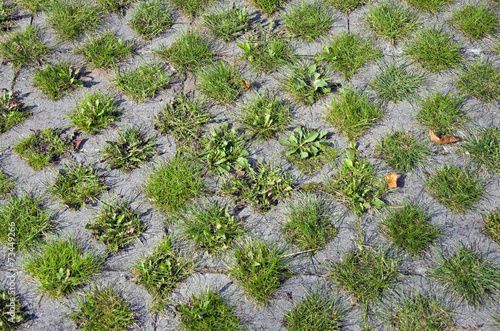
[220, 81]
[269, 6]
[7, 184]
[32, 222]
[56, 80]
[431, 6]
[458, 189]
[484, 148]
[481, 80]
[442, 113]
[103, 308]
[144, 82]
[347, 6]
[347, 53]
[116, 226]
[352, 113]
[468, 274]
[105, 51]
[409, 228]
[228, 23]
[308, 226]
[77, 185]
[19, 314]
[397, 83]
[12, 110]
[24, 47]
[191, 8]
[402, 151]
[491, 226]
[132, 149]
[208, 312]
[60, 266]
[172, 184]
[308, 21]
[94, 112]
[474, 21]
[151, 18]
[260, 269]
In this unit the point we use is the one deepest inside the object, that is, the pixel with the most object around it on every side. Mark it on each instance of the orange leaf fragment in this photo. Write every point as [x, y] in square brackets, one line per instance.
[392, 180]
[247, 85]
[444, 139]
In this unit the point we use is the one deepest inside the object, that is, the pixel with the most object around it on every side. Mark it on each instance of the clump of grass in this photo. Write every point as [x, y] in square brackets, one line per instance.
[308, 226]
[70, 19]
[261, 185]
[491, 226]
[468, 274]
[174, 183]
[105, 51]
[458, 189]
[151, 19]
[402, 151]
[409, 228]
[352, 113]
[392, 21]
[366, 273]
[144, 82]
[162, 271]
[265, 51]
[431, 6]
[308, 21]
[269, 6]
[11, 318]
[6, 16]
[442, 113]
[347, 53]
[355, 184]
[77, 185]
[434, 50]
[7, 184]
[307, 83]
[484, 148]
[32, 222]
[102, 308]
[191, 8]
[94, 112]
[12, 110]
[112, 6]
[208, 312]
[183, 118]
[347, 6]
[316, 313]
[211, 227]
[228, 23]
[397, 83]
[61, 265]
[264, 115]
[223, 149]
[481, 81]
[475, 21]
[116, 226]
[132, 149]
[42, 148]
[33, 6]
[220, 81]
[189, 52]
[56, 80]
[24, 47]
[421, 312]
[260, 269]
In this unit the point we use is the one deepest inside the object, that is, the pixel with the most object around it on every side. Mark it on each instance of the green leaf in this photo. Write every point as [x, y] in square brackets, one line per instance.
[284, 142]
[377, 203]
[290, 151]
[311, 136]
[304, 155]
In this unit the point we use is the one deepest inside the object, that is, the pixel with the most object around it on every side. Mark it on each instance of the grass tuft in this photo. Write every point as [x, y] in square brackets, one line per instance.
[7, 184]
[32, 6]
[308, 21]
[260, 269]
[116, 226]
[484, 148]
[409, 228]
[397, 83]
[208, 312]
[481, 81]
[347, 6]
[269, 6]
[105, 51]
[94, 112]
[434, 50]
[220, 81]
[77, 185]
[458, 189]
[402, 151]
[144, 82]
[60, 266]
[191, 8]
[13, 312]
[151, 19]
[112, 6]
[468, 274]
[171, 185]
[56, 80]
[25, 215]
[442, 113]
[24, 47]
[7, 16]
[102, 308]
[474, 21]
[12, 110]
[347, 53]
[491, 226]
[431, 6]
[352, 113]
[228, 23]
